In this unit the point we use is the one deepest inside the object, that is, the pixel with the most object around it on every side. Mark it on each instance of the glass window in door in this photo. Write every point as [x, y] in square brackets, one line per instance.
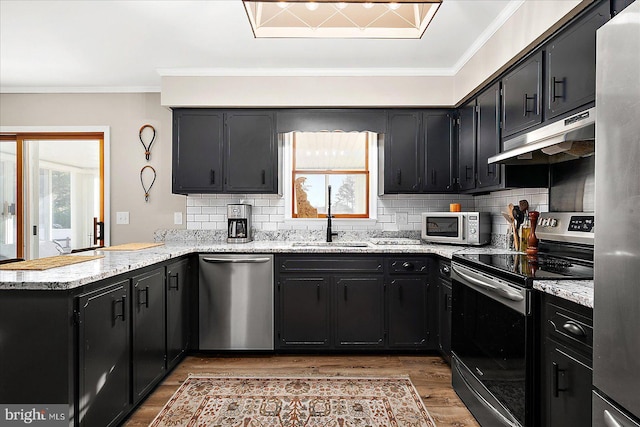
[8, 199]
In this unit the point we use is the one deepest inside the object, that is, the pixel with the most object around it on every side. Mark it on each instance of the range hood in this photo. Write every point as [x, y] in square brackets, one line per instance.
[560, 141]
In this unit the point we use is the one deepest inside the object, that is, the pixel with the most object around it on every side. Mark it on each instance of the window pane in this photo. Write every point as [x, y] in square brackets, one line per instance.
[348, 194]
[330, 151]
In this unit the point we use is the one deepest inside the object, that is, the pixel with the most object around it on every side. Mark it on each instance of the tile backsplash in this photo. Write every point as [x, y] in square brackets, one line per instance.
[395, 213]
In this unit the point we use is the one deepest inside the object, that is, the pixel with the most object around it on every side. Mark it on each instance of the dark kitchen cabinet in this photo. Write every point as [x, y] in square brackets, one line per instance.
[303, 312]
[359, 321]
[402, 152]
[566, 363]
[250, 153]
[571, 64]
[439, 148]
[419, 151]
[329, 302]
[103, 355]
[618, 6]
[410, 303]
[488, 137]
[467, 146]
[218, 151]
[178, 303]
[197, 151]
[148, 331]
[521, 96]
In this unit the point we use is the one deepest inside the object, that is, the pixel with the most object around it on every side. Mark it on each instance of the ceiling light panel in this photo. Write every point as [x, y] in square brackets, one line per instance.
[331, 19]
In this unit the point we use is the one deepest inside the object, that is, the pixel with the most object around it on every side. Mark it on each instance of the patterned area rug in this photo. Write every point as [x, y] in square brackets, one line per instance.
[295, 402]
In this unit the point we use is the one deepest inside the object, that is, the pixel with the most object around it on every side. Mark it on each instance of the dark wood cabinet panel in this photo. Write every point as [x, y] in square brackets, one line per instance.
[148, 338]
[250, 153]
[178, 303]
[359, 318]
[402, 153]
[197, 151]
[467, 146]
[521, 96]
[218, 151]
[439, 148]
[571, 64]
[488, 137]
[304, 315]
[408, 302]
[103, 355]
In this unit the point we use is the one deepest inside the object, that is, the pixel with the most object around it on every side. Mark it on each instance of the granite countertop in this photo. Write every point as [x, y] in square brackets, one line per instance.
[578, 291]
[119, 262]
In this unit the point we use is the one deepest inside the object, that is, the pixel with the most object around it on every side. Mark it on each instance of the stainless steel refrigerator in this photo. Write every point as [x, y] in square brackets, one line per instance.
[616, 363]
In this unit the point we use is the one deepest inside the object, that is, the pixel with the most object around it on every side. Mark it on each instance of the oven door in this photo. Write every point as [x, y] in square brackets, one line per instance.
[443, 227]
[491, 344]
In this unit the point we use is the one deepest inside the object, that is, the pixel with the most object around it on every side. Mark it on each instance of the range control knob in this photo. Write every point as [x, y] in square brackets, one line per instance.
[554, 222]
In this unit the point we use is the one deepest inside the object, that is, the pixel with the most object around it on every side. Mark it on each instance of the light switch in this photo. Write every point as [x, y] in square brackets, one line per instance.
[177, 218]
[122, 217]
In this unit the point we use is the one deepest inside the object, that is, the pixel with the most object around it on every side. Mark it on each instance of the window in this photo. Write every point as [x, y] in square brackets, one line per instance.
[341, 160]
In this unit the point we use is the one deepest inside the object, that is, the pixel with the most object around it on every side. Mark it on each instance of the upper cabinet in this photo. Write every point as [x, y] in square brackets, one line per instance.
[571, 64]
[521, 96]
[467, 146]
[419, 152]
[488, 136]
[224, 151]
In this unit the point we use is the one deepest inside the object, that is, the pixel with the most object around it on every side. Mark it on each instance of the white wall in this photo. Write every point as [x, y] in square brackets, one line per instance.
[124, 114]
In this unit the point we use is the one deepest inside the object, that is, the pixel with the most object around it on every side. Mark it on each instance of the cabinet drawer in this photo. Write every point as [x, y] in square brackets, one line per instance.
[405, 265]
[330, 264]
[570, 327]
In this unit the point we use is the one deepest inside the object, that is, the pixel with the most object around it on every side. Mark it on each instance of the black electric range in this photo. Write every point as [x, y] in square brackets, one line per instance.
[565, 252]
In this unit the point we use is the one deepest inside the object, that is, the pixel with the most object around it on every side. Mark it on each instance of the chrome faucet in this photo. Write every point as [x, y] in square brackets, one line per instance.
[330, 233]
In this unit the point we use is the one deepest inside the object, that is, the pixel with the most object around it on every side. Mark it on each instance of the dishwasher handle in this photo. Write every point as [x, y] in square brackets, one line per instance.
[236, 260]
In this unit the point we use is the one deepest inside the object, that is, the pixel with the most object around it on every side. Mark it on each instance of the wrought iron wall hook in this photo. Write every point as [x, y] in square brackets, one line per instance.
[147, 148]
[147, 190]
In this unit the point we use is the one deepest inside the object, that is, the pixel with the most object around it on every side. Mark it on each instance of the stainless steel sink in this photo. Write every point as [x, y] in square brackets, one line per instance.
[330, 244]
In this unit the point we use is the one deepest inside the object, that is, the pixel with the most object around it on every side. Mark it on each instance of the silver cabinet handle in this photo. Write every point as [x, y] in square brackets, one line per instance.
[236, 260]
[609, 420]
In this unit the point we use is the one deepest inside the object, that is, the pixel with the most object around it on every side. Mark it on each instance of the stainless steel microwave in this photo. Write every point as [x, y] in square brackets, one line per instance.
[458, 228]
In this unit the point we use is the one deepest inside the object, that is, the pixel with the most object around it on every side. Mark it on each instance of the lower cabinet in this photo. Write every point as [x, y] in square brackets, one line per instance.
[178, 303]
[103, 355]
[444, 324]
[353, 303]
[566, 367]
[148, 344]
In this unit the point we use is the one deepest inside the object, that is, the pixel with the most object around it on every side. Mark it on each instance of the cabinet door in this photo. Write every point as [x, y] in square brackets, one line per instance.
[402, 153]
[148, 331]
[359, 312]
[103, 355]
[521, 101]
[488, 139]
[467, 147]
[568, 390]
[197, 151]
[444, 333]
[177, 311]
[250, 153]
[439, 151]
[303, 313]
[571, 64]
[408, 302]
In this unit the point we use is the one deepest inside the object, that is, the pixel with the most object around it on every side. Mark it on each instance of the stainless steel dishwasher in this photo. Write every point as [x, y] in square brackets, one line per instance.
[236, 302]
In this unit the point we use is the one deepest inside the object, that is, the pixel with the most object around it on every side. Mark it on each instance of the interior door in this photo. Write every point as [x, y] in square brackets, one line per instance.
[64, 194]
[8, 199]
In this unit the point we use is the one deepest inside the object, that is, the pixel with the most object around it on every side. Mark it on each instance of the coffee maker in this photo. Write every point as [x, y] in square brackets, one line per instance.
[239, 223]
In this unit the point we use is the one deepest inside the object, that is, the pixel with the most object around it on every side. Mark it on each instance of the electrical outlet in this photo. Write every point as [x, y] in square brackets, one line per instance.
[177, 218]
[122, 217]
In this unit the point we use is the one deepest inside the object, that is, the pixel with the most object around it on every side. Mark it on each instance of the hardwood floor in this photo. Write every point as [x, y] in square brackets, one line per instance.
[430, 374]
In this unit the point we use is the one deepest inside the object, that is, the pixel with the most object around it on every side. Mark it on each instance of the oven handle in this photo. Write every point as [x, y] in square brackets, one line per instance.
[496, 287]
[484, 401]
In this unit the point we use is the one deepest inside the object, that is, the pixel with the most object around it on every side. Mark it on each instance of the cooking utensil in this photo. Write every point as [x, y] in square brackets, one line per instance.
[510, 208]
[524, 205]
